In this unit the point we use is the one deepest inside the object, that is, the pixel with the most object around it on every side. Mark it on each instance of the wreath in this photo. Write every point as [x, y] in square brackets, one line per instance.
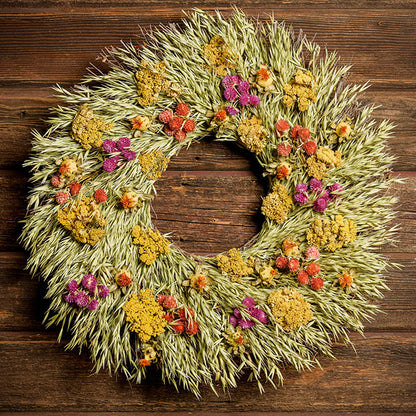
[137, 301]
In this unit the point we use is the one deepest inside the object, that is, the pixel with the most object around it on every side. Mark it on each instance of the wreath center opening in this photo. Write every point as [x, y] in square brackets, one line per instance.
[209, 198]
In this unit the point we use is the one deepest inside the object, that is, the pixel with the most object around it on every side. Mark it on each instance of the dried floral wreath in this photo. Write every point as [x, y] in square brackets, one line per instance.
[137, 301]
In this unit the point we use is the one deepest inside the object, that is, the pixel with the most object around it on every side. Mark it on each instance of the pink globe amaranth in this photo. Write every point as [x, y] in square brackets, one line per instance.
[237, 313]
[260, 315]
[89, 282]
[230, 94]
[334, 191]
[109, 146]
[227, 81]
[301, 187]
[254, 100]
[103, 291]
[320, 205]
[249, 302]
[69, 298]
[324, 195]
[123, 143]
[236, 79]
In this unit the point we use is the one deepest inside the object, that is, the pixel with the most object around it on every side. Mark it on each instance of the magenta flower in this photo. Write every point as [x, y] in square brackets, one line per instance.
[111, 163]
[93, 305]
[245, 323]
[243, 87]
[89, 282]
[237, 313]
[228, 81]
[109, 146]
[81, 299]
[259, 314]
[230, 94]
[254, 100]
[244, 99]
[301, 187]
[129, 155]
[320, 205]
[123, 142]
[315, 185]
[301, 199]
[334, 191]
[236, 79]
[249, 302]
[72, 286]
[324, 195]
[69, 298]
[232, 111]
[103, 291]
[233, 321]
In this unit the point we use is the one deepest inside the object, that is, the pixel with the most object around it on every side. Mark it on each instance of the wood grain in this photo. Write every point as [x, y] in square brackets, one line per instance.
[56, 380]
[43, 42]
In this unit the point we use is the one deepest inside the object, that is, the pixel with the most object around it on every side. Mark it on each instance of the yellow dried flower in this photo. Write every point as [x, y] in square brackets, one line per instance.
[219, 55]
[266, 276]
[301, 90]
[331, 234]
[153, 164]
[151, 244]
[151, 82]
[322, 161]
[84, 219]
[88, 129]
[277, 204]
[252, 134]
[235, 340]
[234, 265]
[145, 315]
[289, 309]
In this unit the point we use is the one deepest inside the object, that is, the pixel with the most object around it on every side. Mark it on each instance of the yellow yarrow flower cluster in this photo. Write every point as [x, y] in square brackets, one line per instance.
[301, 90]
[153, 164]
[289, 309]
[331, 234]
[277, 204]
[252, 134]
[234, 265]
[151, 82]
[145, 315]
[322, 161]
[219, 55]
[152, 244]
[84, 219]
[88, 129]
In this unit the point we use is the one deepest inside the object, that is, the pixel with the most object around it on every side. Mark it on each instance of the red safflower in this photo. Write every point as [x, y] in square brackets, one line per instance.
[283, 172]
[144, 363]
[220, 115]
[100, 195]
[263, 73]
[124, 280]
[178, 327]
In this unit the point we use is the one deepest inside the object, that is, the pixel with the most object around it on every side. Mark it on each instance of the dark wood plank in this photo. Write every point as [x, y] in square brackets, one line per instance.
[25, 109]
[218, 205]
[376, 380]
[22, 306]
[62, 41]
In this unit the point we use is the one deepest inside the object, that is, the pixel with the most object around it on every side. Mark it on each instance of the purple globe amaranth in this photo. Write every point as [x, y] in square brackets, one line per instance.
[254, 100]
[324, 195]
[81, 299]
[245, 323]
[109, 146]
[69, 298]
[110, 164]
[129, 155]
[231, 110]
[244, 99]
[103, 291]
[230, 94]
[243, 87]
[89, 282]
[233, 321]
[301, 199]
[301, 187]
[72, 286]
[123, 143]
[93, 305]
[237, 313]
[320, 205]
[334, 191]
[249, 302]
[228, 81]
[315, 185]
[260, 315]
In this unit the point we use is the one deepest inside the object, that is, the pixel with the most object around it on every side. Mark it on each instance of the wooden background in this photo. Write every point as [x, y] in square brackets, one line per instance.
[47, 42]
